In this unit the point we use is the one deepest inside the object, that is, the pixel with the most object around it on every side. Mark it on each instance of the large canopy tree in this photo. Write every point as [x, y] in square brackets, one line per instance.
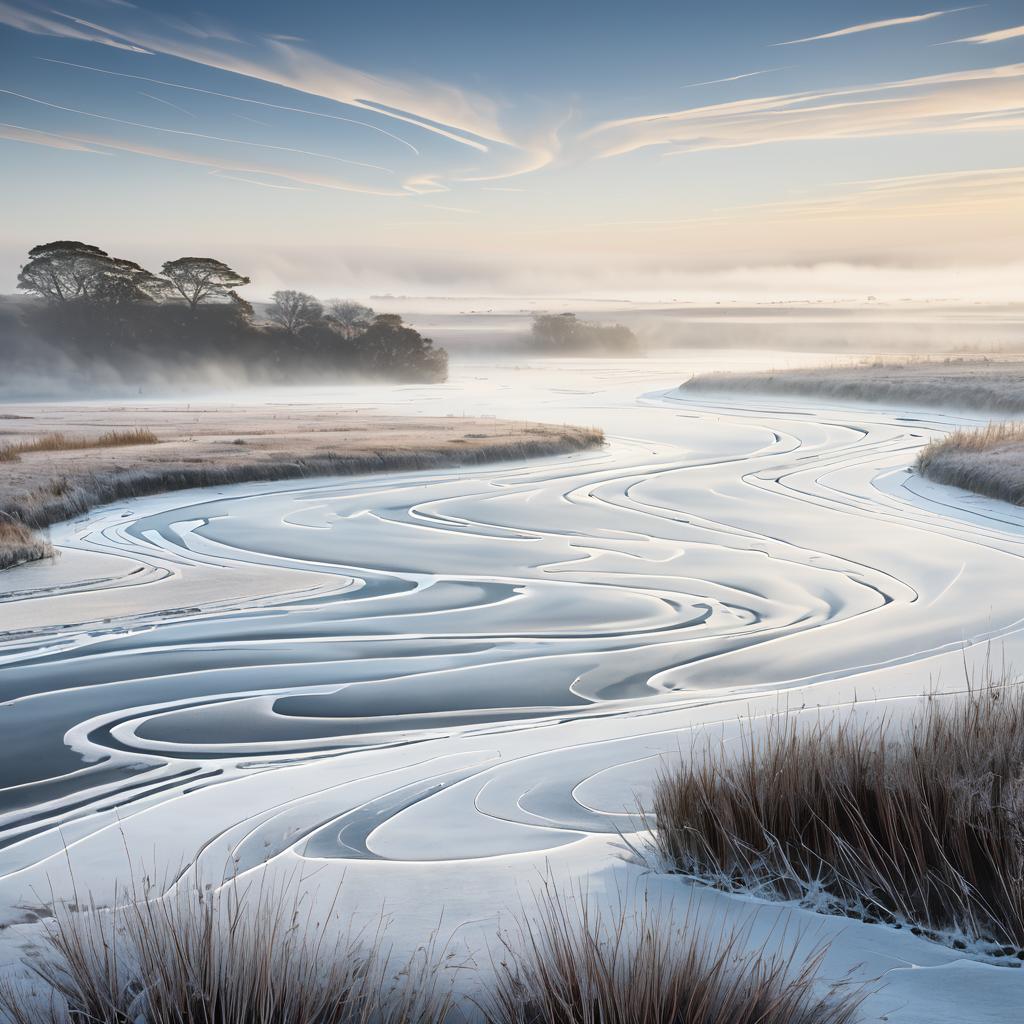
[69, 271]
[126, 283]
[65, 270]
[200, 279]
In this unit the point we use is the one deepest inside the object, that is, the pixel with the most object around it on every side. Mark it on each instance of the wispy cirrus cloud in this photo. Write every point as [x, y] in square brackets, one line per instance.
[43, 24]
[236, 99]
[193, 135]
[167, 103]
[458, 115]
[872, 26]
[954, 102]
[102, 145]
[942, 194]
[464, 117]
[736, 78]
[1000, 36]
[18, 133]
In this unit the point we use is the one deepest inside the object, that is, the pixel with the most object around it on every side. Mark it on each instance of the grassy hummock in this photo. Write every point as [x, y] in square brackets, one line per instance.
[920, 825]
[988, 461]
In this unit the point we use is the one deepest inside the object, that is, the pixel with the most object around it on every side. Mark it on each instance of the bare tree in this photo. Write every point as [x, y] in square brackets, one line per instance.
[351, 317]
[198, 279]
[294, 310]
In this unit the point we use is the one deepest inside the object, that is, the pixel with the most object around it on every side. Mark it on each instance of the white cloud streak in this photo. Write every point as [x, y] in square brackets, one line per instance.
[166, 103]
[17, 133]
[872, 26]
[236, 99]
[736, 78]
[194, 135]
[458, 115]
[1000, 36]
[932, 104]
[463, 117]
[96, 144]
[39, 24]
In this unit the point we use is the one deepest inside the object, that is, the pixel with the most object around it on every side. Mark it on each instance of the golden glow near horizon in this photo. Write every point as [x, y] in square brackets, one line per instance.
[459, 153]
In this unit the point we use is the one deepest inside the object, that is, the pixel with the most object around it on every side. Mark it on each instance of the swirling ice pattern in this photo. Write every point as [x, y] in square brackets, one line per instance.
[464, 664]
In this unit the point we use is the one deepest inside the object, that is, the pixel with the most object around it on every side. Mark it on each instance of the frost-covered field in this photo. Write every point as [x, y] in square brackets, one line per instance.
[442, 687]
[992, 385]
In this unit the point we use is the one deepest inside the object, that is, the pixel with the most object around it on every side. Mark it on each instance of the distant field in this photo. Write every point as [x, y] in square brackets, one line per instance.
[984, 385]
[57, 462]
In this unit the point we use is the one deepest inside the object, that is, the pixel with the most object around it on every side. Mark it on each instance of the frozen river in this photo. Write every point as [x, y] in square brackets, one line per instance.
[441, 683]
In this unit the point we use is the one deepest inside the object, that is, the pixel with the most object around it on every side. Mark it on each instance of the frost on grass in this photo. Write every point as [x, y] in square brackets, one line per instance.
[920, 825]
[19, 544]
[253, 956]
[241, 956]
[988, 461]
[951, 384]
[568, 963]
[59, 498]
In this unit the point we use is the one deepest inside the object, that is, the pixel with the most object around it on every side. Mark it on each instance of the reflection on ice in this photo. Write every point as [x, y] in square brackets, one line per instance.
[481, 662]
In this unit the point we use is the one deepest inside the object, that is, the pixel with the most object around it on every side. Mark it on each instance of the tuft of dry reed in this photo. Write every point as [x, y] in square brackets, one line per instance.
[61, 442]
[239, 957]
[988, 460]
[19, 544]
[570, 965]
[921, 824]
[979, 439]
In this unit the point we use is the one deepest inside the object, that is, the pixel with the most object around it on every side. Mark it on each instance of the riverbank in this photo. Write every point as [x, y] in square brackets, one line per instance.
[988, 385]
[61, 461]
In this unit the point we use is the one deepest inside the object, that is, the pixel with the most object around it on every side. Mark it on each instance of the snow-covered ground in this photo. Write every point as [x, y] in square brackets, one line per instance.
[443, 687]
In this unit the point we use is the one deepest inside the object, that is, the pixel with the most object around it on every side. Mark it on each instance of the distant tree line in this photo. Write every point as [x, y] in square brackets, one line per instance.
[563, 333]
[95, 306]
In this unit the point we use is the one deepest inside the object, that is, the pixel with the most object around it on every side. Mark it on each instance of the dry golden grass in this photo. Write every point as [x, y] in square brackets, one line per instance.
[19, 544]
[988, 460]
[61, 442]
[980, 439]
[920, 825]
[571, 965]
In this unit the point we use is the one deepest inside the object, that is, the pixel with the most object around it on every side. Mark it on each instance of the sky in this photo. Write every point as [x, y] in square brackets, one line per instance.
[737, 151]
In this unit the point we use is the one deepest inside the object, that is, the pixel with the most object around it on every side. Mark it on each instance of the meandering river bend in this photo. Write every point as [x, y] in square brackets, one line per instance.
[478, 665]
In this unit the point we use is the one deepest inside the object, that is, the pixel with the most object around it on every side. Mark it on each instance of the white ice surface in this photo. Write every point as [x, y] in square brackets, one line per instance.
[442, 686]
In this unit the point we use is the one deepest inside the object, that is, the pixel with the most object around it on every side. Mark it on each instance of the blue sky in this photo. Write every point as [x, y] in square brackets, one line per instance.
[459, 148]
